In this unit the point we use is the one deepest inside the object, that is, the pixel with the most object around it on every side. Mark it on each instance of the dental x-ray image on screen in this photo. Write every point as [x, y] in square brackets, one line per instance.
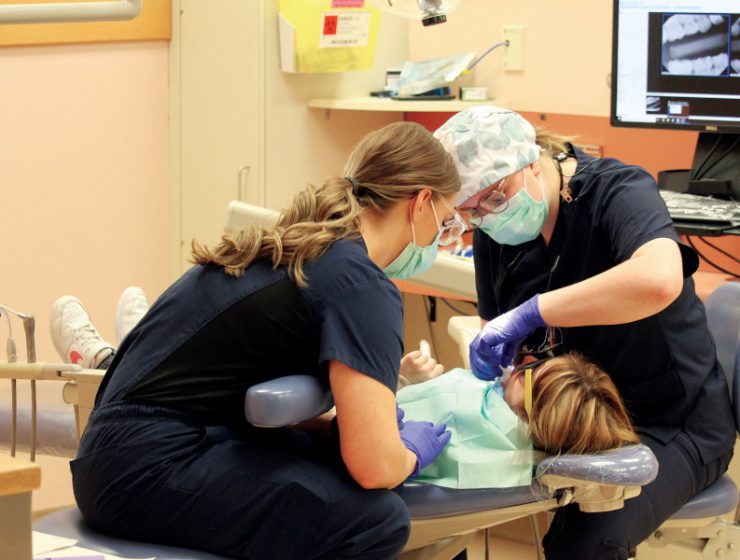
[676, 65]
[695, 44]
[690, 54]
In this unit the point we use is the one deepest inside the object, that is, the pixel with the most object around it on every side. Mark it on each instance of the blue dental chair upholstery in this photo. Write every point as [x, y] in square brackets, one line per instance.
[717, 538]
[68, 523]
[443, 520]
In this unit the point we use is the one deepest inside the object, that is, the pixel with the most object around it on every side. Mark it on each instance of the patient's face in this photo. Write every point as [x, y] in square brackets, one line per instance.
[514, 389]
[514, 392]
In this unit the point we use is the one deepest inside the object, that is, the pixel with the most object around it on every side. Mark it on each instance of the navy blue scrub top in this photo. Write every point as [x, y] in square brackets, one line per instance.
[664, 366]
[211, 336]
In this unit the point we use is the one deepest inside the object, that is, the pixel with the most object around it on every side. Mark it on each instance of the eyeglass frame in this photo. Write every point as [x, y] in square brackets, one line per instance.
[527, 369]
[456, 222]
[494, 201]
[545, 351]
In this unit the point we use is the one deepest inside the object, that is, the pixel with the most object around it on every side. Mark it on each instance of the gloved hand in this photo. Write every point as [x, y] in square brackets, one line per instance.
[498, 341]
[425, 440]
[399, 416]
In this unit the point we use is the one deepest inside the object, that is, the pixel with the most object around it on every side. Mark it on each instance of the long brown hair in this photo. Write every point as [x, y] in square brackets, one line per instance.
[576, 408]
[389, 164]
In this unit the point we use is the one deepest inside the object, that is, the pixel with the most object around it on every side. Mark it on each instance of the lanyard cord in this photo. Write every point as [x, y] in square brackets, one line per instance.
[501, 274]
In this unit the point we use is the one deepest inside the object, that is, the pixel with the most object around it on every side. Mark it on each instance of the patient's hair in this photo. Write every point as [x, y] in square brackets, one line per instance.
[388, 165]
[576, 408]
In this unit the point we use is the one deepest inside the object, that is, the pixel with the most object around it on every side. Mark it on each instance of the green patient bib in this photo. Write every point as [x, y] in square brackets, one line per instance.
[489, 447]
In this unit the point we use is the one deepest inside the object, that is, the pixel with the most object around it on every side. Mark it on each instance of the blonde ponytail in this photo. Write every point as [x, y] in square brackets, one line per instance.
[551, 142]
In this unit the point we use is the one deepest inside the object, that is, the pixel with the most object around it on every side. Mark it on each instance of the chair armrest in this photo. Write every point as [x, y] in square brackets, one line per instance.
[601, 481]
[463, 329]
[287, 400]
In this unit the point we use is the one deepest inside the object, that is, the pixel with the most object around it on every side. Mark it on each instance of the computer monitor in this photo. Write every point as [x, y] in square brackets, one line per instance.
[676, 65]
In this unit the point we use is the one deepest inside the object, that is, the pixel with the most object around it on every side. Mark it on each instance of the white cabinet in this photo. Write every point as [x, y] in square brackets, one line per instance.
[217, 93]
[232, 108]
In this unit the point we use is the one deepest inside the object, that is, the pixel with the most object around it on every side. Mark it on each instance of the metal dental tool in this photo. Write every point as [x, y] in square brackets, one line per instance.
[12, 357]
[29, 327]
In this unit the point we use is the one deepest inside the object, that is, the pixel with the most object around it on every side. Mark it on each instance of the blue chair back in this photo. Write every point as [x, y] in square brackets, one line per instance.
[723, 318]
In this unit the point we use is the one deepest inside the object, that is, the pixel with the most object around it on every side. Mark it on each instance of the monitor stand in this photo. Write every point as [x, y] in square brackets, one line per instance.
[715, 170]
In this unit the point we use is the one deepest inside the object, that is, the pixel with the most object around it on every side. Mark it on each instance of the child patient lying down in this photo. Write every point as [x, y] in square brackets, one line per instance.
[568, 405]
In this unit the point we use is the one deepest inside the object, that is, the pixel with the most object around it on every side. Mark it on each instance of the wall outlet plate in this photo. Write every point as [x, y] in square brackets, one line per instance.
[514, 52]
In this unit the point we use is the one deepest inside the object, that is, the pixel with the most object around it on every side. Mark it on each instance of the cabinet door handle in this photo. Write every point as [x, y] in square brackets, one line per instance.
[243, 170]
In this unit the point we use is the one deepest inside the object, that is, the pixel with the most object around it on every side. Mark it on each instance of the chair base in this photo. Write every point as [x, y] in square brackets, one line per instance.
[428, 534]
[719, 539]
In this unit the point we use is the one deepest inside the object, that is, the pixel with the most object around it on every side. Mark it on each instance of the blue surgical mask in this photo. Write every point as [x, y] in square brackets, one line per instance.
[522, 220]
[413, 259]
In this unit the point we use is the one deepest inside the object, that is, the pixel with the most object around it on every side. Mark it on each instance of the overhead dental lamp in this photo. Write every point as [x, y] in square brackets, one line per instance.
[430, 12]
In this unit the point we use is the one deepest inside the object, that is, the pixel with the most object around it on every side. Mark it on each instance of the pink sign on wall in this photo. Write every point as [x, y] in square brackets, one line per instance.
[347, 3]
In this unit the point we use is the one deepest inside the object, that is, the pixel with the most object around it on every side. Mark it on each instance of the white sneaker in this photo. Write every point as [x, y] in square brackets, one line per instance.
[74, 336]
[132, 306]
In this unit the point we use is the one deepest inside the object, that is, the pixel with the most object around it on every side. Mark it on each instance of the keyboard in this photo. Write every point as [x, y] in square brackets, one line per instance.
[685, 207]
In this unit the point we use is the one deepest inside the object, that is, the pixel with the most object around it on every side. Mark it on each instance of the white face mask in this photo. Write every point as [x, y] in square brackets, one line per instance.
[522, 220]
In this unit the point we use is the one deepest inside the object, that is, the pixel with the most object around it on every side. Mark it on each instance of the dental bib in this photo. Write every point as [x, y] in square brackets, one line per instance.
[489, 448]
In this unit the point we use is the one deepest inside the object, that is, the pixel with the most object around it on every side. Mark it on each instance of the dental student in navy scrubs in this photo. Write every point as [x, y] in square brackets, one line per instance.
[586, 245]
[167, 455]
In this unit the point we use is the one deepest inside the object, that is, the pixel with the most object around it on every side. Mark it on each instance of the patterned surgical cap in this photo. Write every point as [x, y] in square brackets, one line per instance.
[487, 143]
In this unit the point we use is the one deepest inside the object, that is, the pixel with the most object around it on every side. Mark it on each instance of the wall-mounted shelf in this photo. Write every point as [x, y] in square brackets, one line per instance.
[386, 104]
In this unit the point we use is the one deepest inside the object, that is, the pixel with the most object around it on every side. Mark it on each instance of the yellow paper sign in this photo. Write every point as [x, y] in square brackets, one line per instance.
[327, 35]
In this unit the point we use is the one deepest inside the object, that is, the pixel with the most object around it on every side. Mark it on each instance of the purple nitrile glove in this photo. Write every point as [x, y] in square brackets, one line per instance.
[399, 416]
[482, 362]
[425, 440]
[497, 343]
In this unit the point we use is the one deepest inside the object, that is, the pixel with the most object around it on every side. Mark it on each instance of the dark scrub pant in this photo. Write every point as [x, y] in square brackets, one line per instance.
[613, 535]
[150, 474]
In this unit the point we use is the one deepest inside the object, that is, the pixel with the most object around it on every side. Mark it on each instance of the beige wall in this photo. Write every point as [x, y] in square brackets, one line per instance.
[83, 186]
[83, 190]
[308, 145]
[567, 52]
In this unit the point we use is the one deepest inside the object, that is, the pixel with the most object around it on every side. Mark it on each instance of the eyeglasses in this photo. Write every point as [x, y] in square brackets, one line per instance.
[527, 369]
[453, 228]
[494, 202]
[540, 352]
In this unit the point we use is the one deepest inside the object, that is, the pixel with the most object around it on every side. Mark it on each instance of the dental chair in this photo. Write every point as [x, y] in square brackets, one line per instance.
[698, 525]
[443, 520]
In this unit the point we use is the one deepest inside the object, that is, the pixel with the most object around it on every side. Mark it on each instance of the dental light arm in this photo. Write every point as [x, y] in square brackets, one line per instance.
[431, 12]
